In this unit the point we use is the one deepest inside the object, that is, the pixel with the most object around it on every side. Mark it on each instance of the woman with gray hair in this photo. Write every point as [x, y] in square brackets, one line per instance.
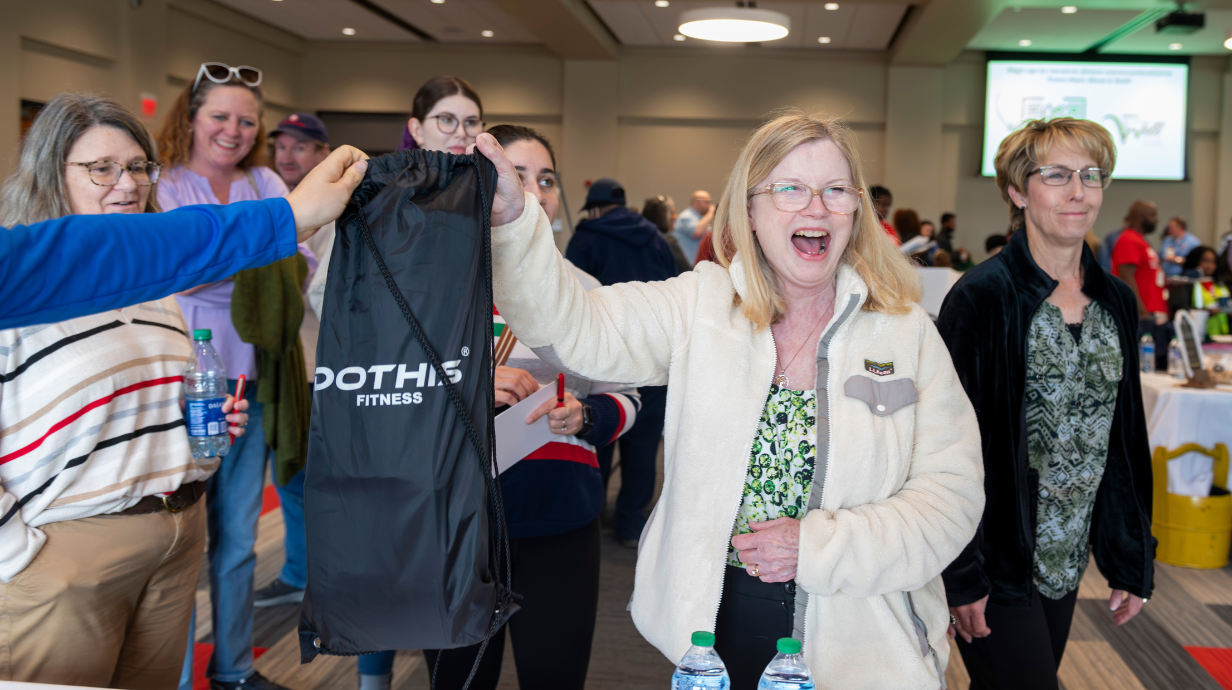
[101, 529]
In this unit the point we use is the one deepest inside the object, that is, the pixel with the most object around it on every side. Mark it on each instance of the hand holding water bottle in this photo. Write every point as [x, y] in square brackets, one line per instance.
[213, 417]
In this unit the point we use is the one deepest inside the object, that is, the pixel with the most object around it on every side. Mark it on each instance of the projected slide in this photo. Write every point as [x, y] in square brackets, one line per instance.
[1141, 104]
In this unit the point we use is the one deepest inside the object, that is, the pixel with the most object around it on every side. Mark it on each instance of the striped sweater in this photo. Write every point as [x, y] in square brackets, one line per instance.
[90, 421]
[558, 488]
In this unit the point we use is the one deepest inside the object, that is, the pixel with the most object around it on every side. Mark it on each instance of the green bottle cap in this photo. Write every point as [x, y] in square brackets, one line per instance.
[701, 638]
[202, 334]
[789, 645]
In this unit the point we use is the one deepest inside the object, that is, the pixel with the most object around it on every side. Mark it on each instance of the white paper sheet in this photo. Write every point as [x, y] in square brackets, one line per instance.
[515, 439]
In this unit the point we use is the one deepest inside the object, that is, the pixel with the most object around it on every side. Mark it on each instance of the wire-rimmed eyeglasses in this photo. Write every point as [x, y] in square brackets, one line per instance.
[108, 173]
[1059, 176]
[793, 197]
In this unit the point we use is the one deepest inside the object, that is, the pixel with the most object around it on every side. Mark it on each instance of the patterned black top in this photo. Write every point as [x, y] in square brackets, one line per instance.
[1071, 394]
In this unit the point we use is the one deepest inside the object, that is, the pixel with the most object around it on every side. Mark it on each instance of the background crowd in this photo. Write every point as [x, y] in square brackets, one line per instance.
[105, 530]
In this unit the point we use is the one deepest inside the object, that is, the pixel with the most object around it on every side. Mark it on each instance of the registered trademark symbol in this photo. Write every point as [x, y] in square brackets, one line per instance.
[466, 351]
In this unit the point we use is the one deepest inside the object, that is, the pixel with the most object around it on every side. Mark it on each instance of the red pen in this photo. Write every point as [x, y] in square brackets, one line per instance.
[560, 390]
[239, 395]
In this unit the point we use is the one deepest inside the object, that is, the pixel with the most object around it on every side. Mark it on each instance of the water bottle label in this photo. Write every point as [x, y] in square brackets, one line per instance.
[205, 417]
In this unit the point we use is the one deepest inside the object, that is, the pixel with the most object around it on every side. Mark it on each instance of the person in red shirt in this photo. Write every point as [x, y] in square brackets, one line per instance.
[1137, 263]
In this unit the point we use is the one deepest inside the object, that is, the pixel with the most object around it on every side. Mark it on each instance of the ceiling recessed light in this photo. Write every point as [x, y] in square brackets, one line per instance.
[677, 37]
[1068, 9]
[831, 5]
[823, 39]
[487, 33]
[662, 3]
[1025, 42]
[438, 2]
[349, 31]
[735, 24]
[1175, 46]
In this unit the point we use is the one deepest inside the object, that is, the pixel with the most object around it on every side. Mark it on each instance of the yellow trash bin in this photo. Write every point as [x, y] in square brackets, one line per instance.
[1192, 532]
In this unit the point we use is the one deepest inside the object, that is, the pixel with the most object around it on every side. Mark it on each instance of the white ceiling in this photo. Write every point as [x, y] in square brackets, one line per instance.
[453, 21]
[1051, 30]
[322, 20]
[853, 26]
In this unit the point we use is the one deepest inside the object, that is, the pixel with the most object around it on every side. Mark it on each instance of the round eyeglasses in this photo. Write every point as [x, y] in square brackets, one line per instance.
[1059, 176]
[107, 173]
[448, 124]
[793, 197]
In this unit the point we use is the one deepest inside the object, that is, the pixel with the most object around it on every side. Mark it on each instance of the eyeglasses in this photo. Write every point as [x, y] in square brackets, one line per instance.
[107, 173]
[448, 124]
[793, 197]
[219, 73]
[1059, 176]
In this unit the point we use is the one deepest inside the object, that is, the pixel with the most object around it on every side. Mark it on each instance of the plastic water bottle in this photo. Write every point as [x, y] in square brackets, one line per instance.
[1176, 367]
[1146, 353]
[787, 671]
[701, 666]
[205, 391]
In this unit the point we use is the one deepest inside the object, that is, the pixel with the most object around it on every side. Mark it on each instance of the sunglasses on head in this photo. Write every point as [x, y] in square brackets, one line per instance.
[219, 73]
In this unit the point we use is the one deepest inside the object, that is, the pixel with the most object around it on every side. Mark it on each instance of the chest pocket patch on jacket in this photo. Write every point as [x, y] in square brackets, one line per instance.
[884, 398]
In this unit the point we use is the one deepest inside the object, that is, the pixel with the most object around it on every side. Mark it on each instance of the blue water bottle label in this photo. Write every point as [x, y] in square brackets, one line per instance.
[205, 417]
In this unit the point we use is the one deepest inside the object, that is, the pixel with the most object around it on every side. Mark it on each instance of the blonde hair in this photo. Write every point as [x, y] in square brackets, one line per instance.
[176, 138]
[1020, 154]
[893, 285]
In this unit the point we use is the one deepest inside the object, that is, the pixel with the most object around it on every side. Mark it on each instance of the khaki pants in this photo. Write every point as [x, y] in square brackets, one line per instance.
[106, 603]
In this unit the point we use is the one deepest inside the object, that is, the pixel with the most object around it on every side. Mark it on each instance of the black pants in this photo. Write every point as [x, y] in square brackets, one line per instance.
[638, 449]
[1025, 648]
[558, 578]
[753, 615]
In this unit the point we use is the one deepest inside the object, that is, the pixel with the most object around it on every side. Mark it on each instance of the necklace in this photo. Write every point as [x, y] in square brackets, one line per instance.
[781, 378]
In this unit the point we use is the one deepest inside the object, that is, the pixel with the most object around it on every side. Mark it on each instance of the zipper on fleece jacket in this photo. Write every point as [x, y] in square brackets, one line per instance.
[740, 497]
[853, 301]
[921, 631]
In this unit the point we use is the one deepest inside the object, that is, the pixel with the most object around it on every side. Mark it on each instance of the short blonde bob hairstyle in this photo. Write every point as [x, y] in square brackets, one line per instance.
[893, 285]
[1020, 153]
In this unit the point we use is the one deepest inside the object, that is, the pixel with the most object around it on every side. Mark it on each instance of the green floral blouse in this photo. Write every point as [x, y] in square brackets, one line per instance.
[1071, 394]
[781, 464]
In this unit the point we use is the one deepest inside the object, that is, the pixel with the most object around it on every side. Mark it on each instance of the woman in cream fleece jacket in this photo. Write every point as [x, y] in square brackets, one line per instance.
[815, 496]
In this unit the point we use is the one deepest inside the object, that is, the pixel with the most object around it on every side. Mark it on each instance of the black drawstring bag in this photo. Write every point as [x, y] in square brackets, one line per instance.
[407, 546]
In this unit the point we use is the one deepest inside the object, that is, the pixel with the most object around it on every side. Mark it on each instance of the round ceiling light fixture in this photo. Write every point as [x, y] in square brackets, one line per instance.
[1024, 42]
[1069, 9]
[735, 24]
[1175, 46]
[349, 31]
[1228, 39]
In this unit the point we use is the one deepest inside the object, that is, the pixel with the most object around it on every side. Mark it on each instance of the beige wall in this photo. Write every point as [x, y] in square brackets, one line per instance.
[661, 121]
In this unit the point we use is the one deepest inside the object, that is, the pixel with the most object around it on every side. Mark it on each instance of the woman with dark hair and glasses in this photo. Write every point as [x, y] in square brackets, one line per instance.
[1045, 343]
[446, 115]
[212, 142]
[101, 529]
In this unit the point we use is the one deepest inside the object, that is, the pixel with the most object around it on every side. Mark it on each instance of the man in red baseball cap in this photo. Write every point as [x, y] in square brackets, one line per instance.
[301, 141]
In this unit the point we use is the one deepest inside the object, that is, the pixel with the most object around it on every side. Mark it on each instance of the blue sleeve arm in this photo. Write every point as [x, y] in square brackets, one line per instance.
[77, 265]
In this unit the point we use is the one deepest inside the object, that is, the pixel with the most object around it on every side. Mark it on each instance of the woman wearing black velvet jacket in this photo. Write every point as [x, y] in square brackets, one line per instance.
[1045, 343]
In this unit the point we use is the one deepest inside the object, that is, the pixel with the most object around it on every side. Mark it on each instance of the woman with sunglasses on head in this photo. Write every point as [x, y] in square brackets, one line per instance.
[1045, 342]
[101, 527]
[212, 142]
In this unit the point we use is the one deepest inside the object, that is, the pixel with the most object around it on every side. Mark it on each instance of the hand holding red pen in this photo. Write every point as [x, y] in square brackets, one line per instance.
[564, 412]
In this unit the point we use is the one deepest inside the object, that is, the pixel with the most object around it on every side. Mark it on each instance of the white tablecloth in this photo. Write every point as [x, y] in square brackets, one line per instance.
[1176, 415]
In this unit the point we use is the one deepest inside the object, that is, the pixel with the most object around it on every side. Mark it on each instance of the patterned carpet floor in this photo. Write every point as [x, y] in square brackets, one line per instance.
[1182, 640]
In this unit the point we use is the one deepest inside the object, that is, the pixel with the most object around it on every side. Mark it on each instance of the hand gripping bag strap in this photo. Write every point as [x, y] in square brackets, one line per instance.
[503, 603]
